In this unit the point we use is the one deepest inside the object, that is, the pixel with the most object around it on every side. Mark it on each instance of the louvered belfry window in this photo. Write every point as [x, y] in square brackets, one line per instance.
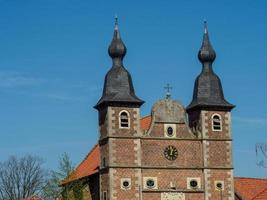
[124, 120]
[216, 123]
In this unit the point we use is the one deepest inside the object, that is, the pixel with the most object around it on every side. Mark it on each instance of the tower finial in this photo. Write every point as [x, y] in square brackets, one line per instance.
[116, 21]
[206, 53]
[168, 89]
[205, 26]
[117, 49]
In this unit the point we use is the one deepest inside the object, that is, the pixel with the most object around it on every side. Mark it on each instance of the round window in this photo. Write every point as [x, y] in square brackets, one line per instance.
[193, 184]
[125, 184]
[170, 131]
[150, 183]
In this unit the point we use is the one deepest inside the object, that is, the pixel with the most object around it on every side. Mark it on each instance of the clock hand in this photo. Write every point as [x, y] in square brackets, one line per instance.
[171, 151]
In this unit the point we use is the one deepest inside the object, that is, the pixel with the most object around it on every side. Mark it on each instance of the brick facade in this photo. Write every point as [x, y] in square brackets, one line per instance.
[138, 155]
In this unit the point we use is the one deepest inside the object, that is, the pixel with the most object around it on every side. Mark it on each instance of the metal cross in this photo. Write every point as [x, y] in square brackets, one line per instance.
[168, 89]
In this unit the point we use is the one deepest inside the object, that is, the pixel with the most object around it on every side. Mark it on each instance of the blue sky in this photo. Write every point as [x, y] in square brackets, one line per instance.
[53, 59]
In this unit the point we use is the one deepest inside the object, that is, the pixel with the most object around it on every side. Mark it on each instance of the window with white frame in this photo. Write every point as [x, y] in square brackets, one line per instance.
[193, 183]
[126, 183]
[105, 195]
[219, 185]
[150, 183]
[170, 130]
[216, 122]
[124, 119]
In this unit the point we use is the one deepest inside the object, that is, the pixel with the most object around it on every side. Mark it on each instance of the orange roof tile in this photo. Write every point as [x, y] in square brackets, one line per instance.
[251, 188]
[145, 122]
[87, 167]
[262, 195]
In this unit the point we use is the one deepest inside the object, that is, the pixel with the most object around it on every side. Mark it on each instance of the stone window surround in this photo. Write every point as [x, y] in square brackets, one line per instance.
[197, 179]
[215, 185]
[173, 126]
[123, 180]
[128, 115]
[155, 179]
[212, 122]
[105, 195]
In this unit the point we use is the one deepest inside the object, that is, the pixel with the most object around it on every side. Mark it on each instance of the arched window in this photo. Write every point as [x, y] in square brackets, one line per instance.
[216, 122]
[124, 120]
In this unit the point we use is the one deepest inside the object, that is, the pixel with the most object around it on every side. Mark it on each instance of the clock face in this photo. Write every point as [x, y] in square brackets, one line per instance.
[171, 152]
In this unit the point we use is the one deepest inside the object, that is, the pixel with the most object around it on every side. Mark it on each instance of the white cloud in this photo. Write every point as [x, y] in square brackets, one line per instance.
[61, 96]
[256, 121]
[14, 79]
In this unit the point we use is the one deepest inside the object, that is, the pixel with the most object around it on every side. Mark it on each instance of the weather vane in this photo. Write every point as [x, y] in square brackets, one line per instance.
[168, 89]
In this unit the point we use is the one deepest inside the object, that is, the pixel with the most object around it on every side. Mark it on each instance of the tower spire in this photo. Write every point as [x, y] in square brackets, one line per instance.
[118, 87]
[117, 50]
[205, 27]
[206, 53]
[208, 91]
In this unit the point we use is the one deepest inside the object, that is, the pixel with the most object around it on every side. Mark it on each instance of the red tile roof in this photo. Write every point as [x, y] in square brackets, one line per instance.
[251, 188]
[145, 122]
[87, 167]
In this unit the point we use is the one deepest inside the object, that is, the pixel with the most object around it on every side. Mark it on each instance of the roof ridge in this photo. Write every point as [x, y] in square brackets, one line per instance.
[236, 177]
[145, 117]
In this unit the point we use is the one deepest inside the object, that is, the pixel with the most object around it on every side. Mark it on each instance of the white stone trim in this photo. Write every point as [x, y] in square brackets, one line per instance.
[112, 185]
[231, 180]
[136, 123]
[207, 188]
[212, 125]
[137, 152]
[215, 185]
[111, 125]
[155, 179]
[129, 181]
[173, 126]
[105, 192]
[197, 179]
[129, 119]
[204, 119]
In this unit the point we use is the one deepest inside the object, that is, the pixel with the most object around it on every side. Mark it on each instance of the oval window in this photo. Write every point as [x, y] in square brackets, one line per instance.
[170, 131]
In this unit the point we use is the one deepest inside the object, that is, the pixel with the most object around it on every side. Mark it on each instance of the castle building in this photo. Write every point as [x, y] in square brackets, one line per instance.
[175, 153]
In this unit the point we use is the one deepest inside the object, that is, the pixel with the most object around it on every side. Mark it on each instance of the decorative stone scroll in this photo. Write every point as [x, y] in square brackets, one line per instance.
[172, 196]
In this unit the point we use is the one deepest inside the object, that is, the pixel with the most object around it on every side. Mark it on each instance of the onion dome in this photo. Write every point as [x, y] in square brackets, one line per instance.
[208, 91]
[117, 49]
[118, 87]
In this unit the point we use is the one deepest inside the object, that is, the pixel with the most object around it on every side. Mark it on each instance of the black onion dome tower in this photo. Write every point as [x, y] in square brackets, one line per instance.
[118, 87]
[208, 91]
